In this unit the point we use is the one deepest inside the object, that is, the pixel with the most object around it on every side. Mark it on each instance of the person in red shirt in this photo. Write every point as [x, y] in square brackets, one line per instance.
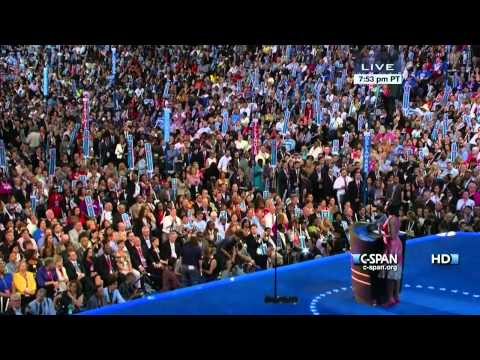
[55, 203]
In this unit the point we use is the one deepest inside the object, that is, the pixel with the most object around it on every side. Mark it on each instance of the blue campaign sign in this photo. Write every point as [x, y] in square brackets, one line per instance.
[3, 158]
[335, 147]
[45, 81]
[149, 158]
[89, 205]
[86, 143]
[273, 156]
[52, 161]
[130, 154]
[366, 151]
[166, 125]
[225, 122]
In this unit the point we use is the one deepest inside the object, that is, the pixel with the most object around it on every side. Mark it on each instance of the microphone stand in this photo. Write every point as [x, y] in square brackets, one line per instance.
[275, 299]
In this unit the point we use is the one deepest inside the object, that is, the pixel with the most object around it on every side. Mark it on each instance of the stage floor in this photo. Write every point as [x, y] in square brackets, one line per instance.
[324, 287]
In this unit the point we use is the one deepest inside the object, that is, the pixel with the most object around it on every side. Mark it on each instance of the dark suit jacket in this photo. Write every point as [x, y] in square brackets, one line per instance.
[327, 189]
[354, 193]
[394, 197]
[153, 257]
[144, 244]
[71, 272]
[282, 182]
[399, 173]
[101, 266]
[294, 178]
[166, 252]
[135, 257]
[197, 157]
[116, 218]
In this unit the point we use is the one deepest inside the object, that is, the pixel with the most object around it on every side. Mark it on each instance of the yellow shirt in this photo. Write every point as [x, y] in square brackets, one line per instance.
[20, 283]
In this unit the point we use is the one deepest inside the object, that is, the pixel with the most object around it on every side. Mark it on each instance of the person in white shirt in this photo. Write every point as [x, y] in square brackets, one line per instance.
[341, 183]
[25, 236]
[270, 217]
[107, 213]
[241, 144]
[262, 154]
[464, 202]
[316, 150]
[169, 223]
[224, 161]
[221, 226]
[450, 170]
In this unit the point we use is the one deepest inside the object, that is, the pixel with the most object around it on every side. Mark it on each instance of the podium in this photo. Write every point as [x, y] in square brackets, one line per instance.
[367, 287]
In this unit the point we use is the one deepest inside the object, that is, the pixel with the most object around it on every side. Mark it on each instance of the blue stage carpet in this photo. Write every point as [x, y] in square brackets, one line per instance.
[324, 287]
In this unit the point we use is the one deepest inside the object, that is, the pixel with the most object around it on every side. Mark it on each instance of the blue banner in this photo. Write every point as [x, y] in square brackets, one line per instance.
[33, 203]
[52, 162]
[285, 121]
[89, 205]
[467, 120]
[273, 156]
[174, 187]
[301, 237]
[83, 179]
[126, 221]
[225, 122]
[346, 138]
[148, 155]
[86, 143]
[335, 107]
[435, 130]
[166, 126]
[445, 125]
[428, 116]
[130, 156]
[114, 64]
[454, 152]
[406, 99]
[361, 122]
[45, 81]
[166, 89]
[73, 137]
[3, 157]
[366, 161]
[335, 147]
[366, 151]
[446, 94]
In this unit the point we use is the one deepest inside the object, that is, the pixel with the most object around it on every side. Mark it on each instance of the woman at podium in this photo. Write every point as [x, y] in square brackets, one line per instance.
[393, 246]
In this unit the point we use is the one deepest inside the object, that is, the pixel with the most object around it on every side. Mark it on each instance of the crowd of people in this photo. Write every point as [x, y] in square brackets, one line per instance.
[261, 165]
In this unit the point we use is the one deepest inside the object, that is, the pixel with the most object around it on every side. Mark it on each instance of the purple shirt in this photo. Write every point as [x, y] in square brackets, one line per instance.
[44, 275]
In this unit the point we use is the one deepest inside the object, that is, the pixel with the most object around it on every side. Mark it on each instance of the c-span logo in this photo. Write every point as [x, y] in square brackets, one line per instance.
[445, 259]
[375, 262]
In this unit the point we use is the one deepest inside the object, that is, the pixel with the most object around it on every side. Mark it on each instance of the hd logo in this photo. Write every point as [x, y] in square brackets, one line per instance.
[445, 259]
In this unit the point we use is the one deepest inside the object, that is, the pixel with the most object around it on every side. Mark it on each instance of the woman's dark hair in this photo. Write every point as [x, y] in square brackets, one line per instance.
[111, 279]
[393, 210]
[79, 286]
